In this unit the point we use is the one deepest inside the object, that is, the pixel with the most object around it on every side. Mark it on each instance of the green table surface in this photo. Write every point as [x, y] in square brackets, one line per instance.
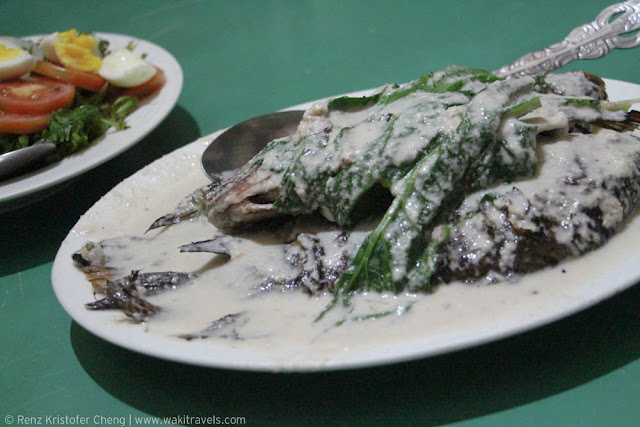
[244, 58]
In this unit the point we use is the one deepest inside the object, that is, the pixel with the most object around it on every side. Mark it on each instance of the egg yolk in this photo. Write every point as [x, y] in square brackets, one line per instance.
[82, 40]
[77, 58]
[76, 51]
[9, 53]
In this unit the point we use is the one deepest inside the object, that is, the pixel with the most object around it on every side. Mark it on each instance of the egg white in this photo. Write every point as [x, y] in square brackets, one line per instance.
[18, 66]
[123, 68]
[48, 48]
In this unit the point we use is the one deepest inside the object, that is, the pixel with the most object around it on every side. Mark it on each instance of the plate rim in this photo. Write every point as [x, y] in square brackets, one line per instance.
[209, 355]
[41, 180]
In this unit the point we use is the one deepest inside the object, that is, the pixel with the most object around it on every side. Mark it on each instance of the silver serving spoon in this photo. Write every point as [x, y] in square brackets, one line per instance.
[238, 144]
[612, 28]
[20, 161]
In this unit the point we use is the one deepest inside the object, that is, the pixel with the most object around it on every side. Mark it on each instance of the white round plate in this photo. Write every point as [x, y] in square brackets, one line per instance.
[498, 311]
[149, 114]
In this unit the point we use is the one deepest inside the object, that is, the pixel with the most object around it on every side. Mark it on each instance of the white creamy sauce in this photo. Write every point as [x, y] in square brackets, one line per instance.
[572, 83]
[282, 322]
[281, 325]
[338, 138]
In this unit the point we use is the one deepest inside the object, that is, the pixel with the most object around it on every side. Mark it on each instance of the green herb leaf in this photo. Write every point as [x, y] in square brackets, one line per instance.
[397, 255]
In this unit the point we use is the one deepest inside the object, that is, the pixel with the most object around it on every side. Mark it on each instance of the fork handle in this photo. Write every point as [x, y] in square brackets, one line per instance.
[611, 29]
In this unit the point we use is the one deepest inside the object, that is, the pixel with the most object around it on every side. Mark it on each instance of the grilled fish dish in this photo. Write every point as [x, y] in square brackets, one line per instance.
[456, 176]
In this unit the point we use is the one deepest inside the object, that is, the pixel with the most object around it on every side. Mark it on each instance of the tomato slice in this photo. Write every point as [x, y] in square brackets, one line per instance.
[88, 81]
[149, 87]
[35, 95]
[23, 123]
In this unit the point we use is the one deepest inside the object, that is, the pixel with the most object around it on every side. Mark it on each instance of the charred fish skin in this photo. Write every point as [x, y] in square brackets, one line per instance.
[247, 196]
[518, 229]
[237, 198]
[221, 245]
[193, 206]
[225, 327]
[164, 280]
[123, 295]
[317, 262]
[316, 259]
[126, 293]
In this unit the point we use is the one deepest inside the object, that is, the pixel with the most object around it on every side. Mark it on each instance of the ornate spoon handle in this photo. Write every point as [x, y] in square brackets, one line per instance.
[610, 30]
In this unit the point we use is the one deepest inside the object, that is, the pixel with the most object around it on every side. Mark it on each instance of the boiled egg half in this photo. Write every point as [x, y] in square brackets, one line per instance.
[14, 60]
[73, 50]
[124, 68]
